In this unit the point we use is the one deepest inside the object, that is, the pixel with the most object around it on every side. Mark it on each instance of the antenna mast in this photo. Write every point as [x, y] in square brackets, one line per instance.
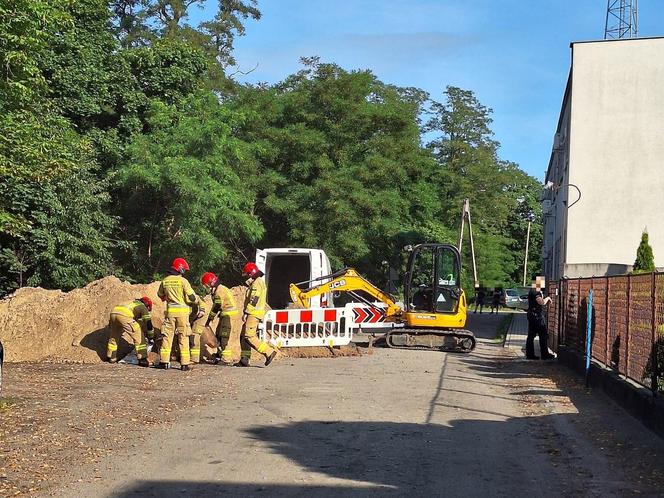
[622, 19]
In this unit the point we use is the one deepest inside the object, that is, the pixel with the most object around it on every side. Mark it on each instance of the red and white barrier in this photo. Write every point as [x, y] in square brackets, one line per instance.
[310, 327]
[321, 326]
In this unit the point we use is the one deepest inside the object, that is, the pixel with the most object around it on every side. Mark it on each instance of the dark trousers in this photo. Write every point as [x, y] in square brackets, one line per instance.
[536, 327]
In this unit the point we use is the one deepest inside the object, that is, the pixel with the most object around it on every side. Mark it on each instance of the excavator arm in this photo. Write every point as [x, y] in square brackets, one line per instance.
[347, 280]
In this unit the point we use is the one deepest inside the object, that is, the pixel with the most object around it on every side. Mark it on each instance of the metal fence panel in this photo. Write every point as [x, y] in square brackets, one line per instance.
[627, 325]
[552, 314]
[599, 325]
[618, 323]
[639, 344]
[572, 315]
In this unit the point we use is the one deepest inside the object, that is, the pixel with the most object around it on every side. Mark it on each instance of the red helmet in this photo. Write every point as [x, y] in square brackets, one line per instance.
[209, 279]
[250, 269]
[147, 302]
[180, 265]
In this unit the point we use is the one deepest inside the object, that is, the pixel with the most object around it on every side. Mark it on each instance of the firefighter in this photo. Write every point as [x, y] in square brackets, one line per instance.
[223, 303]
[176, 291]
[197, 323]
[134, 320]
[254, 311]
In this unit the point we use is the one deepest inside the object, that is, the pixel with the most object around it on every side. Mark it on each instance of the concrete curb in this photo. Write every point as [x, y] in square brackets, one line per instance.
[517, 334]
[637, 400]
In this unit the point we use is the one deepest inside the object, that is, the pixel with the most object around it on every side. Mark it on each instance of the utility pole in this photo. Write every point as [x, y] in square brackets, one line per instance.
[525, 259]
[465, 214]
[622, 19]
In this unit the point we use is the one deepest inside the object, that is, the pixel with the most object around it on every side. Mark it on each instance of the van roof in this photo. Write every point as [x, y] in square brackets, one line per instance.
[290, 249]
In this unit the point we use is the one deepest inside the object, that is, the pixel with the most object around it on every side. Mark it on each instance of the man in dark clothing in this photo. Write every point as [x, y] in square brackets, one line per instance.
[479, 299]
[536, 322]
[495, 299]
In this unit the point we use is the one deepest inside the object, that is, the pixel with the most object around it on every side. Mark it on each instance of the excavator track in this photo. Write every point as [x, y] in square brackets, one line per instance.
[462, 341]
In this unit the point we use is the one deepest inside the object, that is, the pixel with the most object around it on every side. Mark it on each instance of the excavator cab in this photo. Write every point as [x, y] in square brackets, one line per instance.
[433, 296]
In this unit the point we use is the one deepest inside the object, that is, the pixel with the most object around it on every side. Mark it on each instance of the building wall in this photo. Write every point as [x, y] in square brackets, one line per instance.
[616, 156]
[555, 214]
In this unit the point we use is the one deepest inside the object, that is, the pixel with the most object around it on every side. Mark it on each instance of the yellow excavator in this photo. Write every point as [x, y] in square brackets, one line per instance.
[434, 311]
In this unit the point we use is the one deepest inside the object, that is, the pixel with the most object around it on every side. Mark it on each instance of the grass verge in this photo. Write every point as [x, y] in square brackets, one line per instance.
[501, 333]
[5, 403]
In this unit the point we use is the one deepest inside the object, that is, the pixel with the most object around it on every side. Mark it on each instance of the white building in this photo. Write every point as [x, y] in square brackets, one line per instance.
[609, 145]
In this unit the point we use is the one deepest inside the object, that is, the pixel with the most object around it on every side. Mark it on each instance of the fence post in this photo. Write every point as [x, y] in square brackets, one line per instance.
[629, 313]
[607, 362]
[653, 349]
[589, 335]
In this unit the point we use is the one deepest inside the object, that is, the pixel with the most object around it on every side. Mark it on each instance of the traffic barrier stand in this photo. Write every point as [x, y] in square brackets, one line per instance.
[306, 327]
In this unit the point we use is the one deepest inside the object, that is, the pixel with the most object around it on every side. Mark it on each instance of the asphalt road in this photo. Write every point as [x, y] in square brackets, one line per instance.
[390, 423]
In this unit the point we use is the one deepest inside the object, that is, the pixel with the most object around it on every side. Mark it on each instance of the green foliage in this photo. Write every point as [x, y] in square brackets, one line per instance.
[182, 190]
[645, 261]
[53, 228]
[502, 197]
[25, 26]
[341, 164]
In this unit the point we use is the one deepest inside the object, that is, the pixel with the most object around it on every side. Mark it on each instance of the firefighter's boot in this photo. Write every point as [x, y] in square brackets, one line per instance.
[143, 362]
[164, 365]
[187, 368]
[268, 359]
[244, 362]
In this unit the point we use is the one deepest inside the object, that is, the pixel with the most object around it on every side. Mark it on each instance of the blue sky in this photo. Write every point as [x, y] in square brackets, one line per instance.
[513, 54]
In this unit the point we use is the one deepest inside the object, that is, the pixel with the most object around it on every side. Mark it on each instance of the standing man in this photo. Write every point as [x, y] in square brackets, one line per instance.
[479, 299]
[254, 311]
[134, 320]
[176, 291]
[536, 321]
[495, 300]
[223, 303]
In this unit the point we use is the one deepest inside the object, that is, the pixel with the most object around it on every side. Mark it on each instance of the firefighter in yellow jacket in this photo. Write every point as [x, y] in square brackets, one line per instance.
[134, 320]
[176, 291]
[223, 304]
[254, 311]
[197, 320]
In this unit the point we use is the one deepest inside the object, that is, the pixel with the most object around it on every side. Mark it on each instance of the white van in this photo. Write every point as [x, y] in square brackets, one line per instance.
[283, 266]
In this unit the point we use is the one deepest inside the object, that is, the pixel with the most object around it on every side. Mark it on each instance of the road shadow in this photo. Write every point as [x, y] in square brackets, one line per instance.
[512, 457]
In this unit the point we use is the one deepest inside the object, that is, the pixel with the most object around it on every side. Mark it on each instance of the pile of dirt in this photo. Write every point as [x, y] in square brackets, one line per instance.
[50, 325]
[322, 352]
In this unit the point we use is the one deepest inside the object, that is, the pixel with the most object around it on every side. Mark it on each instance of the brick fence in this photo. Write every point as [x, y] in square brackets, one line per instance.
[627, 328]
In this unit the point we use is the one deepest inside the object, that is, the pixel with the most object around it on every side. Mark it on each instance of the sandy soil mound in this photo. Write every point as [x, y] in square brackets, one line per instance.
[50, 325]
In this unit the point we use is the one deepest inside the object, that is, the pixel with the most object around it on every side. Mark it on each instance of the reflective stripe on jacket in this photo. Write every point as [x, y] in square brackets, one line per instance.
[178, 294]
[223, 301]
[225, 298]
[255, 300]
[135, 309]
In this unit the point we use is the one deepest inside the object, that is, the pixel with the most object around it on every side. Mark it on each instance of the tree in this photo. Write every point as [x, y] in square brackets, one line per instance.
[183, 188]
[645, 261]
[54, 231]
[503, 198]
[341, 165]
